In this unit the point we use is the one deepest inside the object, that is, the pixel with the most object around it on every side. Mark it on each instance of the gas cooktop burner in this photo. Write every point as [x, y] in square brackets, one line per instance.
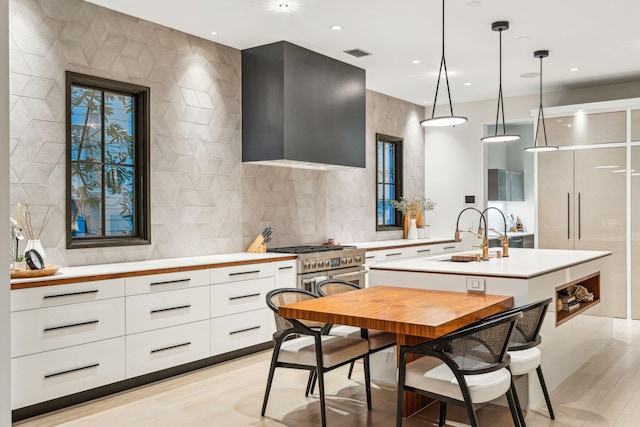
[307, 249]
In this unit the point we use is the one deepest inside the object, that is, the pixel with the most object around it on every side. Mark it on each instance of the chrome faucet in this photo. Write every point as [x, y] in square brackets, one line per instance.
[504, 239]
[485, 240]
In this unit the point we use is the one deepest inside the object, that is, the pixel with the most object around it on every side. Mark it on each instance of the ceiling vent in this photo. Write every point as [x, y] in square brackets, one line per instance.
[358, 53]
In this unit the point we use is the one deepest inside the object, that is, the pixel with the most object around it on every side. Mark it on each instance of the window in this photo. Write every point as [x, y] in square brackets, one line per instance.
[389, 181]
[107, 162]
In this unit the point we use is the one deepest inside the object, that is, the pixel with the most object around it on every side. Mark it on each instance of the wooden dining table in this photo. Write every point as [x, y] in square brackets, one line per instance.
[414, 315]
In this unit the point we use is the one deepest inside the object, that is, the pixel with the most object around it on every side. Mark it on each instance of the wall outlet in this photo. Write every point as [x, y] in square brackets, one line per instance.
[475, 284]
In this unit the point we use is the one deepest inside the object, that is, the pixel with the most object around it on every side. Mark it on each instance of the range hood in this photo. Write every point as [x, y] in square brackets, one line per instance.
[301, 109]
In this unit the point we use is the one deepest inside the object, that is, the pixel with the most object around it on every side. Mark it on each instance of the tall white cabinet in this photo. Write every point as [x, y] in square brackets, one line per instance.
[582, 193]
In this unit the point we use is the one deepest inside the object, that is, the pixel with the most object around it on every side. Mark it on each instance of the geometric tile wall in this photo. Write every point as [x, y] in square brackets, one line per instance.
[203, 199]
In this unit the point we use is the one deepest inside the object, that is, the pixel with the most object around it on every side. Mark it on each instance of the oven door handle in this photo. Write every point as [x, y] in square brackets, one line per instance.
[353, 273]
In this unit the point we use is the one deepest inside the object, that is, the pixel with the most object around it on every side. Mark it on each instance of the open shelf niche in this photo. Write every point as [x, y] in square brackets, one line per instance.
[592, 283]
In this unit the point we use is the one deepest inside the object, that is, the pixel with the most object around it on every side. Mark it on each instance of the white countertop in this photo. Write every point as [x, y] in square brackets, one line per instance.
[381, 244]
[522, 263]
[159, 264]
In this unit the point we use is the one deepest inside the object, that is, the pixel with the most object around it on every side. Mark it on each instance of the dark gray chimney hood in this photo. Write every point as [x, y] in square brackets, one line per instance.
[301, 109]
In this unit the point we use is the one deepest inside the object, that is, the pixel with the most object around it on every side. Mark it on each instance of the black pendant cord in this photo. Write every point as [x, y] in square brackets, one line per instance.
[541, 112]
[500, 99]
[443, 64]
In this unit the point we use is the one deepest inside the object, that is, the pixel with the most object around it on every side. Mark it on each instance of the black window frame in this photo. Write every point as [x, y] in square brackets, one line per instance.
[142, 144]
[398, 143]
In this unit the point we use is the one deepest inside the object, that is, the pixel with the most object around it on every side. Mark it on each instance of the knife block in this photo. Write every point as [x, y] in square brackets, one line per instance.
[258, 245]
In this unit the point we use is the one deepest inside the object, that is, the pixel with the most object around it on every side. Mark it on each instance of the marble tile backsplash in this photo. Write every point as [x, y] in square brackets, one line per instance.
[203, 199]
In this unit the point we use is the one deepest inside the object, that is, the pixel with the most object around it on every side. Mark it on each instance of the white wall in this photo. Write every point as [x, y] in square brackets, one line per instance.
[5, 319]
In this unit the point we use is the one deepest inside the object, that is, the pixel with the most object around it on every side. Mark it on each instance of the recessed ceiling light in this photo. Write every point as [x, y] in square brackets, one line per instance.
[336, 27]
[467, 84]
[475, 3]
[574, 69]
[529, 75]
[415, 61]
[214, 33]
[283, 6]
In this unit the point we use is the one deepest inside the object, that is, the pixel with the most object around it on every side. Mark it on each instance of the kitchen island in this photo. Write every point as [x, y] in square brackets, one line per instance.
[569, 339]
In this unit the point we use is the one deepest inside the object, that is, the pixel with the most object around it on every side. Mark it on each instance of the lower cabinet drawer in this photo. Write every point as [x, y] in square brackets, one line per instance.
[164, 309]
[43, 329]
[164, 348]
[45, 376]
[238, 297]
[237, 331]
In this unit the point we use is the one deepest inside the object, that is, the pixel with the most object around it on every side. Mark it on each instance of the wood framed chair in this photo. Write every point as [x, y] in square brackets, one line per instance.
[465, 367]
[378, 340]
[523, 347]
[302, 344]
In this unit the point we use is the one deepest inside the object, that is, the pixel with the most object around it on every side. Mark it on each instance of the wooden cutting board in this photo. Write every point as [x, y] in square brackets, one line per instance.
[464, 257]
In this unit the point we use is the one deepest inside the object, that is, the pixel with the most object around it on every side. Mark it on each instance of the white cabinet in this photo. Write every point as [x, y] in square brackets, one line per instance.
[45, 376]
[166, 281]
[43, 329]
[74, 337]
[229, 333]
[238, 305]
[582, 206]
[412, 251]
[238, 297]
[164, 309]
[286, 272]
[163, 348]
[48, 296]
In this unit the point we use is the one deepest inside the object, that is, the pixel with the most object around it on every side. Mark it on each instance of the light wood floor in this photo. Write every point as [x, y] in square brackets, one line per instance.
[603, 392]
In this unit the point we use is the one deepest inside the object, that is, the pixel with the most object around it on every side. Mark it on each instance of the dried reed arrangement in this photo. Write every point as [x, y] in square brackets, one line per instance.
[28, 223]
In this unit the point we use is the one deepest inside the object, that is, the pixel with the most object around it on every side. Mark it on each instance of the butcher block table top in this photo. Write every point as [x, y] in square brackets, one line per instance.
[403, 311]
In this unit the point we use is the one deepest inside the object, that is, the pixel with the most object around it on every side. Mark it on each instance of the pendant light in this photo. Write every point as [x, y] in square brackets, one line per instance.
[540, 148]
[443, 120]
[500, 26]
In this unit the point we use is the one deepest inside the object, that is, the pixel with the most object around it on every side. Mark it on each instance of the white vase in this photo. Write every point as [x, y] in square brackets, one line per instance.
[37, 245]
[413, 230]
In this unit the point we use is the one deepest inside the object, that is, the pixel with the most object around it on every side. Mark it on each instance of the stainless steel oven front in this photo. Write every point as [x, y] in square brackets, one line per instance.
[354, 275]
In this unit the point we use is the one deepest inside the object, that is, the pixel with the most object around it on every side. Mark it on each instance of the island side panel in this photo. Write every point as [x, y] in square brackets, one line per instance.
[565, 347]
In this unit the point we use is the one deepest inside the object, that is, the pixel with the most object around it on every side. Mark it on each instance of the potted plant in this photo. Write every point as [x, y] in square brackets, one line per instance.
[412, 209]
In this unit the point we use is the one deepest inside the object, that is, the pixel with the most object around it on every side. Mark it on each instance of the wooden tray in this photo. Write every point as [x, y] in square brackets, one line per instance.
[49, 270]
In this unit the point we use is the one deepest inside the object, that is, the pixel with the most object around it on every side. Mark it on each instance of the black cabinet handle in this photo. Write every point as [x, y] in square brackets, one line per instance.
[568, 215]
[285, 268]
[579, 219]
[93, 291]
[184, 344]
[239, 331]
[166, 282]
[424, 250]
[244, 296]
[178, 307]
[71, 325]
[240, 273]
[449, 247]
[68, 371]
[394, 254]
[370, 257]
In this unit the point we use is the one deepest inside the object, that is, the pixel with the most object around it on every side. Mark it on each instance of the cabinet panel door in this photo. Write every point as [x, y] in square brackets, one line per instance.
[600, 218]
[585, 129]
[555, 200]
[635, 129]
[635, 230]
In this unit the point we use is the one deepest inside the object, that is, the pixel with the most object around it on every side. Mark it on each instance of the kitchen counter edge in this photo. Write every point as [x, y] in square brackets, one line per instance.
[89, 273]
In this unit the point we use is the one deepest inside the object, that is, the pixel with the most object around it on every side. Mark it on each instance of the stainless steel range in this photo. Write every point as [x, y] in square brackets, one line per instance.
[317, 263]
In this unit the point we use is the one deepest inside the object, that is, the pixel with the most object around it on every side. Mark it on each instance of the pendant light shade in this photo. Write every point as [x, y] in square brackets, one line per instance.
[546, 147]
[500, 26]
[443, 120]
